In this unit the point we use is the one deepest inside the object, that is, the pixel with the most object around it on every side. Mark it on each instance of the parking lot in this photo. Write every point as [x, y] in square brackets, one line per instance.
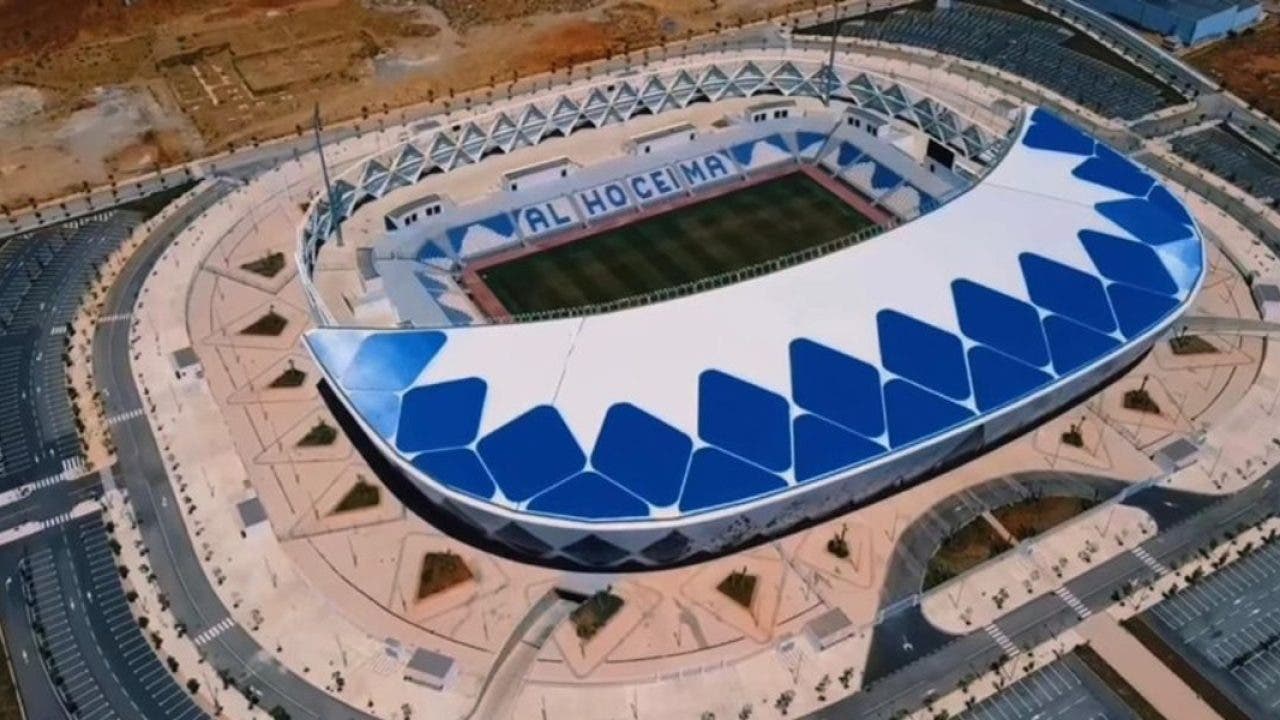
[89, 641]
[43, 276]
[1066, 689]
[1228, 625]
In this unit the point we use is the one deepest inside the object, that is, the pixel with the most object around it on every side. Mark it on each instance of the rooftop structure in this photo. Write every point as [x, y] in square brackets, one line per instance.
[691, 425]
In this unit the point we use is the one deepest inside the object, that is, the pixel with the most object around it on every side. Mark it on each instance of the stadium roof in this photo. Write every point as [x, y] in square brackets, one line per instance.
[1063, 256]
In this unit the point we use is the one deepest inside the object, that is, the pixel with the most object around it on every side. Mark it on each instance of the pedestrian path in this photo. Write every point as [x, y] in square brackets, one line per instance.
[214, 631]
[1156, 566]
[124, 416]
[1073, 602]
[1006, 645]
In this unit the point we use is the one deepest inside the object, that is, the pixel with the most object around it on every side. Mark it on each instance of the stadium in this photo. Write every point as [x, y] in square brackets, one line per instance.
[663, 315]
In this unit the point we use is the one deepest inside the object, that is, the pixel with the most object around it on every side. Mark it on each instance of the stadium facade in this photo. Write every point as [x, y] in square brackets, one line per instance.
[651, 434]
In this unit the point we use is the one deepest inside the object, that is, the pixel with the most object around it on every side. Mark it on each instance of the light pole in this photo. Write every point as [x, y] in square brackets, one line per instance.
[836, 23]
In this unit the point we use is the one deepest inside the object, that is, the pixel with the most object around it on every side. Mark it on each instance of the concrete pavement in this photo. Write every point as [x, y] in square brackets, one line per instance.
[174, 560]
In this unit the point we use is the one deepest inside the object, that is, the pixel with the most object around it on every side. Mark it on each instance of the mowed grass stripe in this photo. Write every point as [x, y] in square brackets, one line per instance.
[740, 229]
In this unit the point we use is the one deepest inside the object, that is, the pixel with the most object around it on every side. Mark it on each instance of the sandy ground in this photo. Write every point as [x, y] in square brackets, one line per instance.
[91, 92]
[1248, 65]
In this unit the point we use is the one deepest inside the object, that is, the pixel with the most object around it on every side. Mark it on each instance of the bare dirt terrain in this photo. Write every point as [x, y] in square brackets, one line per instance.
[1248, 65]
[94, 91]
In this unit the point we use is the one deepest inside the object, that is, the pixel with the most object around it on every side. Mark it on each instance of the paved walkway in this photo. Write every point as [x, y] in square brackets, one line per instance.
[1143, 670]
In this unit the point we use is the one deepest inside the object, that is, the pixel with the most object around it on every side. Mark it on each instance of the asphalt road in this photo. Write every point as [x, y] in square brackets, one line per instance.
[938, 666]
[156, 508]
[54, 628]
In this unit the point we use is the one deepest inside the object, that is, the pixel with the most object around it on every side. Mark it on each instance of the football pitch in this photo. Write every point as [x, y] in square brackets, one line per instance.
[730, 232]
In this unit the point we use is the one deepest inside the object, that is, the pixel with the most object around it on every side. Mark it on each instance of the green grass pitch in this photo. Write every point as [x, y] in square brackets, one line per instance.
[736, 230]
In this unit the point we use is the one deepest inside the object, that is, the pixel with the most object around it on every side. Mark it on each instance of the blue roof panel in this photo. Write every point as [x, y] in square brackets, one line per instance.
[822, 447]
[923, 354]
[1047, 132]
[1111, 169]
[642, 453]
[1138, 309]
[1067, 291]
[840, 388]
[1145, 220]
[440, 416]
[1128, 261]
[589, 495]
[379, 409]
[459, 469]
[745, 419]
[531, 453]
[717, 478]
[1073, 345]
[391, 361]
[914, 413]
[998, 378]
[1163, 199]
[1001, 321]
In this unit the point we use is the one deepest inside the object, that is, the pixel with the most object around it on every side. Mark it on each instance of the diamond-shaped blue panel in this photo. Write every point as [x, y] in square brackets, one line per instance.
[379, 410]
[1138, 309]
[531, 453]
[840, 388]
[459, 469]
[589, 495]
[1162, 198]
[998, 378]
[391, 360]
[847, 154]
[1145, 220]
[914, 413]
[439, 416]
[744, 419]
[334, 348]
[1128, 261]
[882, 178]
[642, 453]
[1001, 321]
[1047, 132]
[1073, 345]
[716, 478]
[922, 353]
[822, 447]
[1111, 169]
[1067, 291]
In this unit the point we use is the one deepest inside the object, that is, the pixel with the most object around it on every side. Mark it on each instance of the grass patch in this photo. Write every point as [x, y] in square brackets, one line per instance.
[594, 613]
[837, 545]
[361, 495]
[1140, 400]
[740, 229]
[271, 324]
[441, 571]
[1191, 345]
[322, 434]
[267, 266]
[1028, 518]
[290, 378]
[9, 706]
[965, 549]
[740, 587]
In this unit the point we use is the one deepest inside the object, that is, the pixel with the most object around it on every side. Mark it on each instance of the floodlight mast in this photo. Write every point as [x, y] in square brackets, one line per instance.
[334, 220]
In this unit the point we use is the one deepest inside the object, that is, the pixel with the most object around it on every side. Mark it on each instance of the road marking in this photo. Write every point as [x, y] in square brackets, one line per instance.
[126, 415]
[1070, 599]
[114, 317]
[1146, 558]
[1002, 640]
[214, 631]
